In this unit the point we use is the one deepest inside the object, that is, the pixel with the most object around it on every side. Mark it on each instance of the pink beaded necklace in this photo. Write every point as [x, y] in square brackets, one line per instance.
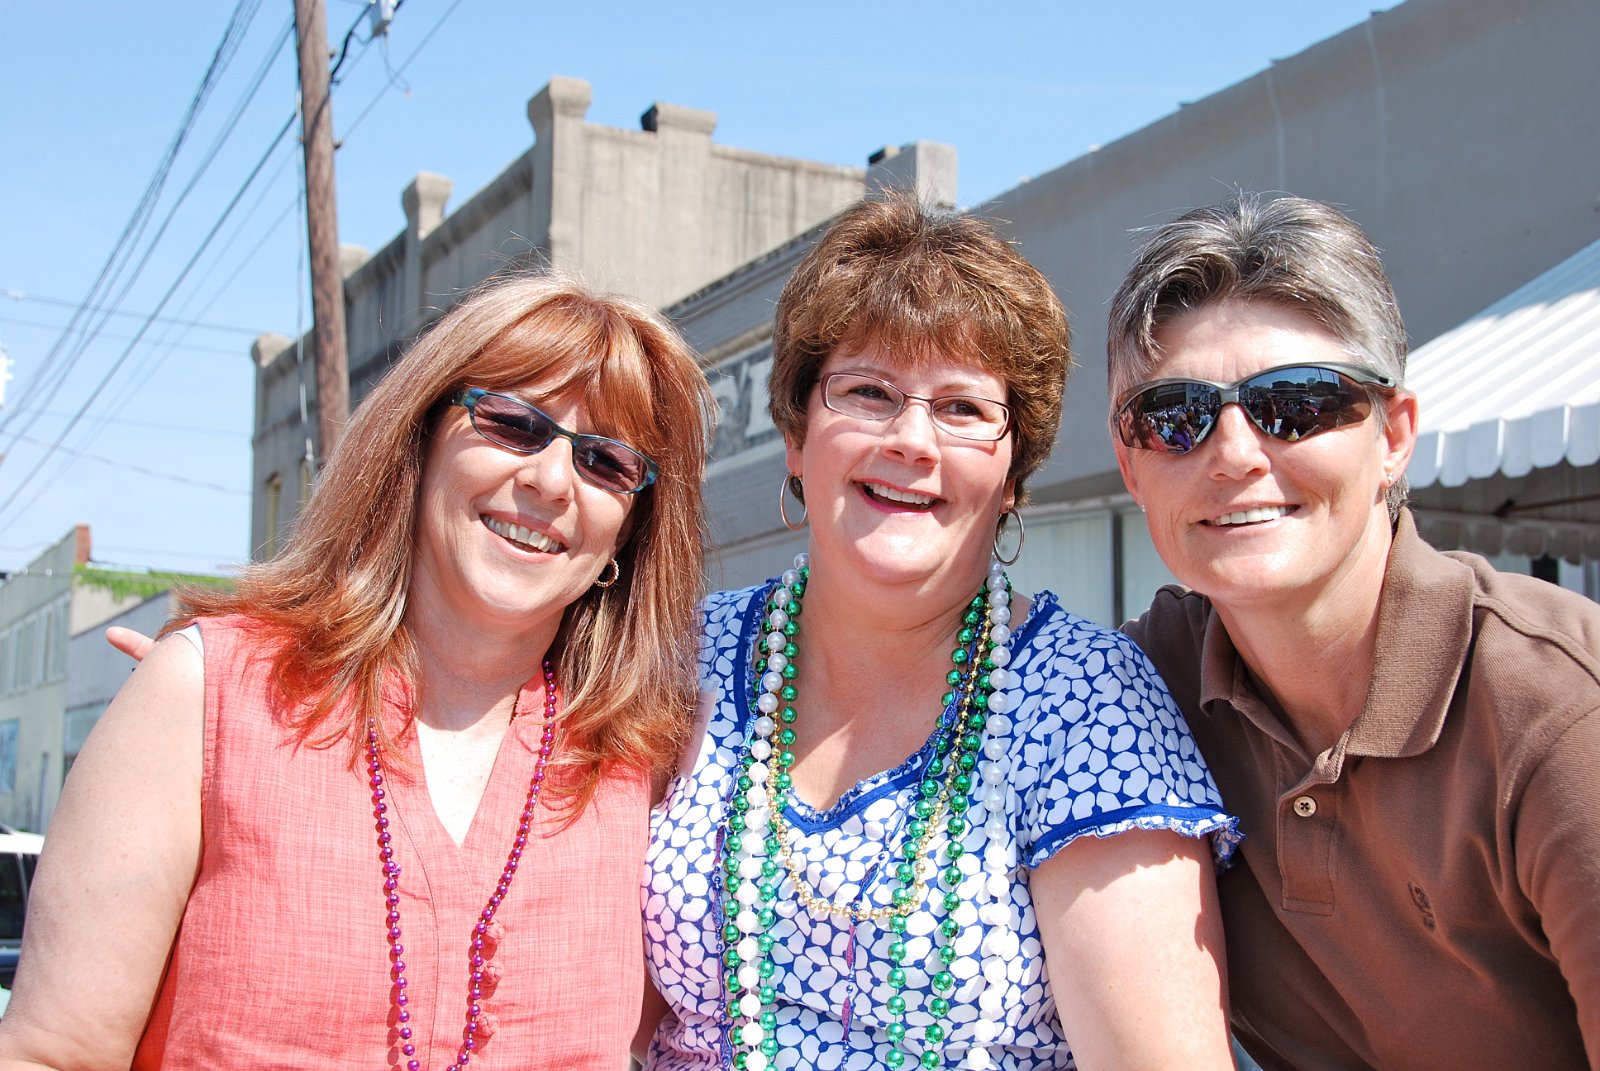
[391, 887]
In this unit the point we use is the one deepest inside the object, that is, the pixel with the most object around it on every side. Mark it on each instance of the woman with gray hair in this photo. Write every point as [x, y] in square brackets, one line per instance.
[1408, 737]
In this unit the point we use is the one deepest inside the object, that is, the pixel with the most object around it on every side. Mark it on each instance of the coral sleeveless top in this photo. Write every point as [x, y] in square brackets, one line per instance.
[282, 957]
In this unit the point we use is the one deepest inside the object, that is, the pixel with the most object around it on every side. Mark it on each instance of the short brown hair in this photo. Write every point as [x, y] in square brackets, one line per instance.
[924, 283]
[338, 591]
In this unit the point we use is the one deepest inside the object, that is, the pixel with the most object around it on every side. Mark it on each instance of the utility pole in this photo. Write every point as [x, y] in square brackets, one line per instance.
[322, 224]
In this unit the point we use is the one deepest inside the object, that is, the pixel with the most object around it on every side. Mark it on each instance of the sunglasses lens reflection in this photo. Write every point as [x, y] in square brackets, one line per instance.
[513, 425]
[603, 462]
[1288, 404]
[609, 465]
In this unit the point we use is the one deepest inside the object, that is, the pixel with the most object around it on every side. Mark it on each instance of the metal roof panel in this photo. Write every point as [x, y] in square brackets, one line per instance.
[1517, 386]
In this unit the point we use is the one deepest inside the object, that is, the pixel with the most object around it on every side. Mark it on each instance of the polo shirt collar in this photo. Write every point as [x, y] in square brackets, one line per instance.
[1424, 631]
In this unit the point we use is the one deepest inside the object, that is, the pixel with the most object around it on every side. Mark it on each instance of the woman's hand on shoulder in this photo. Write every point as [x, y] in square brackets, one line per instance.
[119, 862]
[1133, 945]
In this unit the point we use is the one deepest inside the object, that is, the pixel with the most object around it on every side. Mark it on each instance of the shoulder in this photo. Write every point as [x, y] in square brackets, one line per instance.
[1533, 670]
[1080, 682]
[1176, 618]
[1520, 629]
[174, 664]
[726, 621]
[1054, 640]
[1532, 628]
[724, 606]
[723, 615]
[1100, 746]
[225, 634]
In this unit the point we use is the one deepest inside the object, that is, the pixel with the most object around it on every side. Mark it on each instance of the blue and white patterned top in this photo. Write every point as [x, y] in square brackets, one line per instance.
[1096, 747]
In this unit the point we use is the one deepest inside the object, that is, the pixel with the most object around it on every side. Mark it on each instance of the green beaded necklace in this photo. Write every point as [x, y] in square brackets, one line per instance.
[756, 850]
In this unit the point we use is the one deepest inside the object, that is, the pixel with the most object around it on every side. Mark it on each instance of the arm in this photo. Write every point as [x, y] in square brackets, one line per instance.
[116, 873]
[1557, 844]
[1133, 942]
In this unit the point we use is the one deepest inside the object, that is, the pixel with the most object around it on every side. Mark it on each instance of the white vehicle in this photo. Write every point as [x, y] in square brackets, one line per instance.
[19, 855]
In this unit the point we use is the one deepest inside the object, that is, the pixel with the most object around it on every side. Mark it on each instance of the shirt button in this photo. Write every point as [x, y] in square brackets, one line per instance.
[1305, 806]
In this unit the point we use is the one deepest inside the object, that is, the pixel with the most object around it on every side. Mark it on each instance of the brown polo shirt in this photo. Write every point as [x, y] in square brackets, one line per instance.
[1426, 893]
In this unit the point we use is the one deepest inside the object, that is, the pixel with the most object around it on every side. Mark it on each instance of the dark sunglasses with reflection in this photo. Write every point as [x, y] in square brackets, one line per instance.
[523, 427]
[1289, 403]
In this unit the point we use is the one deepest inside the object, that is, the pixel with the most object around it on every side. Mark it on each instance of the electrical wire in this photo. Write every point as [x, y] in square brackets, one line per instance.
[158, 353]
[61, 374]
[221, 58]
[195, 347]
[57, 446]
[18, 295]
[219, 561]
[142, 470]
[6, 522]
[156, 425]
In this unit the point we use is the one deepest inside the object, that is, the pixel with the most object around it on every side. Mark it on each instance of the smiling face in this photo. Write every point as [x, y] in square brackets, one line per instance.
[1249, 520]
[902, 501]
[506, 540]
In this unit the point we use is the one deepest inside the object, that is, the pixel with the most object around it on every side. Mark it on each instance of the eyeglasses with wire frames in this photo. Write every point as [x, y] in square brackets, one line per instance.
[524, 428]
[868, 398]
[1288, 403]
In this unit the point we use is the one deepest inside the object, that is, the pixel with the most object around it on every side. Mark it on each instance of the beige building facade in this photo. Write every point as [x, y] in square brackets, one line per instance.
[1462, 134]
[656, 212]
[49, 610]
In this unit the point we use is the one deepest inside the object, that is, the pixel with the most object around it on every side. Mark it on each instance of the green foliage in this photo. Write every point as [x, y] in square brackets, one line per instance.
[128, 583]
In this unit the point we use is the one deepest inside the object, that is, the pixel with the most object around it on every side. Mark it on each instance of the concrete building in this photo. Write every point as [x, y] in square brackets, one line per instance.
[656, 212]
[57, 673]
[42, 607]
[1471, 185]
[36, 620]
[1462, 134]
[96, 670]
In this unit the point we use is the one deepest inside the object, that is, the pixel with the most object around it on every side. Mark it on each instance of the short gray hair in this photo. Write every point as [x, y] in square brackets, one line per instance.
[1300, 254]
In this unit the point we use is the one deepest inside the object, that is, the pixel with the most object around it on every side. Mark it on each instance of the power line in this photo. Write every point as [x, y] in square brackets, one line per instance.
[142, 470]
[232, 36]
[149, 250]
[211, 235]
[161, 350]
[18, 295]
[122, 358]
[426, 38]
[154, 425]
[218, 350]
[215, 558]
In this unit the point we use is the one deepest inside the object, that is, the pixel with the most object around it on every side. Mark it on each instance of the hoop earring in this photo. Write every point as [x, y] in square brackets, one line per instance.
[791, 485]
[616, 575]
[1000, 531]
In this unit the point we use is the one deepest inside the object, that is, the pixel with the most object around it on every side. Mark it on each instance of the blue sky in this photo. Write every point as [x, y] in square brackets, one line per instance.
[158, 464]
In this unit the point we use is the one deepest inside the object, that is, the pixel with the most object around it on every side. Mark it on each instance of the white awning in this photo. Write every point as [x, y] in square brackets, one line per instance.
[1516, 387]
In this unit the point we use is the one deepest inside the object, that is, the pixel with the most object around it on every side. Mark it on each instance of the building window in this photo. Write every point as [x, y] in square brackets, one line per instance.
[27, 654]
[47, 643]
[56, 667]
[274, 507]
[8, 754]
